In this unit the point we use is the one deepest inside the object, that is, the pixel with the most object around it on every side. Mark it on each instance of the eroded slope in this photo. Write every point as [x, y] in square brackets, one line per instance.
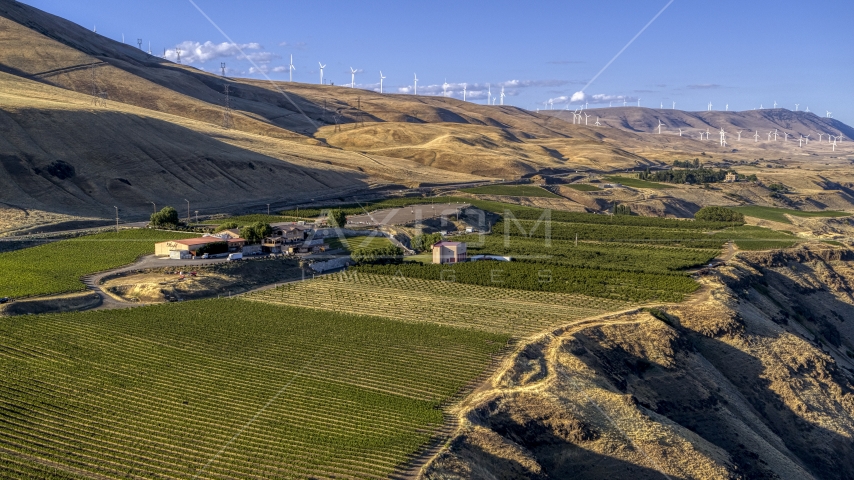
[750, 380]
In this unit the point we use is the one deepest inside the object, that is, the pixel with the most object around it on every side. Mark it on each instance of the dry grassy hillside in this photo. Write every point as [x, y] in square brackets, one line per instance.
[752, 379]
[61, 154]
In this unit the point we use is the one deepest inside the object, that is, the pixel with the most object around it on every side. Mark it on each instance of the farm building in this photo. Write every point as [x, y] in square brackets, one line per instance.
[192, 245]
[449, 252]
[731, 178]
[283, 236]
[309, 246]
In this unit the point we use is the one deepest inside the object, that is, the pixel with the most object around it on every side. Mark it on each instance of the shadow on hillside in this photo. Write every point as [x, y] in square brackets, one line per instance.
[686, 397]
[557, 458]
[109, 158]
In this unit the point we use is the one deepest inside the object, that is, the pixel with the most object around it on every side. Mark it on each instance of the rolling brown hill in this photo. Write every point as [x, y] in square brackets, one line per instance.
[160, 135]
[645, 120]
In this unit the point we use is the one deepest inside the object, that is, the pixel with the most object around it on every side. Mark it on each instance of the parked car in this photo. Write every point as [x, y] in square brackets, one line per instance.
[206, 256]
[4, 300]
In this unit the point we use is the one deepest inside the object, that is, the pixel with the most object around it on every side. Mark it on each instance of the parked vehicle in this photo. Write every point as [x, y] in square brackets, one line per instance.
[206, 256]
[235, 256]
[4, 300]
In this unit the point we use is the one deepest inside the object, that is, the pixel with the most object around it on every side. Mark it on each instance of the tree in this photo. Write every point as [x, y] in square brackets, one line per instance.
[168, 216]
[622, 210]
[226, 226]
[337, 218]
[213, 248]
[421, 243]
[719, 214]
[256, 232]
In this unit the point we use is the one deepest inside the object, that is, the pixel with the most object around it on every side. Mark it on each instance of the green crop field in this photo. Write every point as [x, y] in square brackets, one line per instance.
[226, 389]
[776, 214]
[57, 267]
[512, 190]
[351, 243]
[637, 183]
[446, 302]
[583, 187]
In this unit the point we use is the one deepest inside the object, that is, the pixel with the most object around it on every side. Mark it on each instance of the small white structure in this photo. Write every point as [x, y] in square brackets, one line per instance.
[449, 252]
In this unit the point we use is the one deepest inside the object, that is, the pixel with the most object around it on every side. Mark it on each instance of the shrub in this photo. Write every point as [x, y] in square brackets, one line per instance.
[168, 216]
[226, 226]
[719, 214]
[384, 254]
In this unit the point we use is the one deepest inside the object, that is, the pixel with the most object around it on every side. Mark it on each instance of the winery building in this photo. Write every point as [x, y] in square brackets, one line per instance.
[449, 252]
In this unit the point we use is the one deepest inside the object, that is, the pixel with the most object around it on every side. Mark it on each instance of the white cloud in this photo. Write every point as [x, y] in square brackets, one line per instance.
[280, 69]
[260, 57]
[598, 99]
[260, 69]
[297, 45]
[195, 52]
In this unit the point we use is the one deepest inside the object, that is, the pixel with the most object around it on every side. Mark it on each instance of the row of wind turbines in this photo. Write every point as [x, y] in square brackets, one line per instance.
[831, 139]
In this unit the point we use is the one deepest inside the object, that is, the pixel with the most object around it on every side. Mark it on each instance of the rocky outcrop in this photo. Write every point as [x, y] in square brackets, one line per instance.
[752, 379]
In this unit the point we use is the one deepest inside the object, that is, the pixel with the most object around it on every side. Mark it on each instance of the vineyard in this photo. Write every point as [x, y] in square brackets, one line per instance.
[486, 308]
[57, 267]
[591, 254]
[226, 389]
[511, 190]
[543, 277]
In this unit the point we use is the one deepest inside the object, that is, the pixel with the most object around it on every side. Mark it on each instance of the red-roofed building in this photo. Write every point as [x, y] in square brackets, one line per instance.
[449, 252]
[191, 245]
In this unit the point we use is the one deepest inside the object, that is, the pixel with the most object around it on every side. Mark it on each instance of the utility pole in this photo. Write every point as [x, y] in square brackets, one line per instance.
[268, 209]
[117, 218]
[197, 216]
[154, 205]
[188, 212]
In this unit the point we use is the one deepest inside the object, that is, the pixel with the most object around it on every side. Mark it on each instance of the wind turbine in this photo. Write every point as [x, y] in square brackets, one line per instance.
[416, 83]
[786, 137]
[775, 103]
[659, 126]
[381, 81]
[291, 69]
[775, 134]
[808, 139]
[674, 106]
[723, 137]
[488, 94]
[829, 114]
[796, 106]
[639, 103]
[801, 141]
[149, 47]
[597, 122]
[352, 78]
[821, 135]
[662, 106]
[769, 136]
[445, 88]
[680, 132]
[624, 101]
[710, 106]
[322, 66]
[707, 133]
[727, 107]
[551, 102]
[585, 118]
[465, 88]
[756, 137]
[808, 110]
[834, 144]
[739, 135]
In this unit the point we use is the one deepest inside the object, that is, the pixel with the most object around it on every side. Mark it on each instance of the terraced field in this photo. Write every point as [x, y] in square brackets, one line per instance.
[225, 389]
[491, 309]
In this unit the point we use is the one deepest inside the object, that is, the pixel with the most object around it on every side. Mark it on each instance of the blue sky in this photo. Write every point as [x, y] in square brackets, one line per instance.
[729, 52]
